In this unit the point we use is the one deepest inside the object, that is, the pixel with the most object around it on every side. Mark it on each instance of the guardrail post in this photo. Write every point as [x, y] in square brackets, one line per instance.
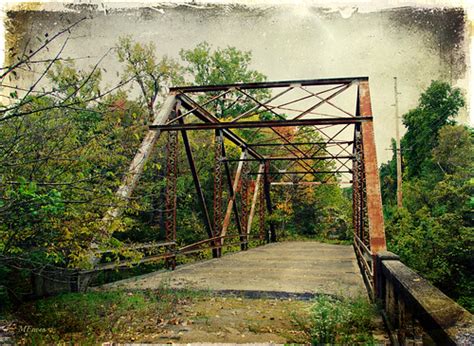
[379, 277]
[386, 294]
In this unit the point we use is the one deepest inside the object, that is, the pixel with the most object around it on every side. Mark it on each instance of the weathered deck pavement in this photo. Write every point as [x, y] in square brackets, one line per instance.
[291, 267]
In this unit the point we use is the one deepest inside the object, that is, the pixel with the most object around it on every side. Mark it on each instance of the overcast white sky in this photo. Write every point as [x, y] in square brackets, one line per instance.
[288, 42]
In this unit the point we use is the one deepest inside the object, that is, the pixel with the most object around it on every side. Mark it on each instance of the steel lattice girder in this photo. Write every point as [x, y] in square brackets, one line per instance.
[364, 172]
[369, 206]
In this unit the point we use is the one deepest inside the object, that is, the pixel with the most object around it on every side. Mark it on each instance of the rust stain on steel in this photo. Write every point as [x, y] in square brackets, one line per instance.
[217, 193]
[171, 196]
[374, 196]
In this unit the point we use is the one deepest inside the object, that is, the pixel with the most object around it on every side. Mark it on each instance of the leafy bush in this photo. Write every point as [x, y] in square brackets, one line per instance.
[333, 320]
[433, 232]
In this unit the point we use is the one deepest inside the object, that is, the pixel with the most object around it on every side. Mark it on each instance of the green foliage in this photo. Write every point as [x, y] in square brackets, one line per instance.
[141, 65]
[85, 312]
[322, 212]
[437, 106]
[223, 66]
[96, 316]
[334, 321]
[455, 151]
[433, 232]
[58, 172]
[64, 152]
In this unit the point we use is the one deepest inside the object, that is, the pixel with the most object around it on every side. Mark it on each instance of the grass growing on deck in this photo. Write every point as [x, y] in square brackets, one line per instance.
[339, 321]
[88, 318]
[164, 315]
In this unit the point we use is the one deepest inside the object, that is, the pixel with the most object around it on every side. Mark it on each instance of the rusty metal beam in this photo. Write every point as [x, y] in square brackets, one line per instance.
[309, 183]
[265, 85]
[327, 101]
[262, 124]
[266, 188]
[197, 184]
[260, 104]
[135, 170]
[299, 143]
[282, 106]
[323, 148]
[171, 195]
[374, 197]
[291, 158]
[310, 109]
[217, 193]
[296, 172]
[244, 210]
[207, 117]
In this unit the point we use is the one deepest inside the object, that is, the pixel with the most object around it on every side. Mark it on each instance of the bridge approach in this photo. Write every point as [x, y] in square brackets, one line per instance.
[305, 123]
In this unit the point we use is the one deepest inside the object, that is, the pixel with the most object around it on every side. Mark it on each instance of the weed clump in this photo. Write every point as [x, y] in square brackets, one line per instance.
[339, 321]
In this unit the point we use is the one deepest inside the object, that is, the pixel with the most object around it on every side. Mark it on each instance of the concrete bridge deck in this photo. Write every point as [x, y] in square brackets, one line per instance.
[298, 267]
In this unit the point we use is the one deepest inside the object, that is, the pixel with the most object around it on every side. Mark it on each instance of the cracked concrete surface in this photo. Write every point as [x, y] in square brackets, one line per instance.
[293, 267]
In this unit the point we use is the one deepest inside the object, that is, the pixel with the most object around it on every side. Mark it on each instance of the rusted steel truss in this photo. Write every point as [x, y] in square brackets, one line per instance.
[171, 197]
[300, 132]
[217, 202]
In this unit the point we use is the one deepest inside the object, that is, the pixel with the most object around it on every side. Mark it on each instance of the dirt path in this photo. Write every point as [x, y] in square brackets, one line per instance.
[235, 320]
[229, 319]
[291, 267]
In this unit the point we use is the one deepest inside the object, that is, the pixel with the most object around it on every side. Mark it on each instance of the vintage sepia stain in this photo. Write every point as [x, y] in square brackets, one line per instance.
[448, 25]
[21, 29]
[442, 30]
[287, 42]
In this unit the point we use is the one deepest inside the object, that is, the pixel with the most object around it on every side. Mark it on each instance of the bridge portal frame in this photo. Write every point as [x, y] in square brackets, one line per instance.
[361, 163]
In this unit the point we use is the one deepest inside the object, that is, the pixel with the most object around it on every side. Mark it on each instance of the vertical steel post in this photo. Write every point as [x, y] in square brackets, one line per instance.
[266, 187]
[371, 174]
[171, 196]
[360, 196]
[233, 189]
[370, 183]
[197, 185]
[261, 215]
[256, 191]
[217, 201]
[244, 195]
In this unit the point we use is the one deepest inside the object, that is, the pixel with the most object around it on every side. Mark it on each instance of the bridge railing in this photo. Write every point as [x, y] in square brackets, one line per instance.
[365, 259]
[413, 308]
[54, 280]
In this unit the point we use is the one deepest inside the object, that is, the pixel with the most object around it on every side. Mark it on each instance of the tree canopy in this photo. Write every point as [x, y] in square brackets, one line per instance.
[438, 106]
[433, 232]
[64, 150]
